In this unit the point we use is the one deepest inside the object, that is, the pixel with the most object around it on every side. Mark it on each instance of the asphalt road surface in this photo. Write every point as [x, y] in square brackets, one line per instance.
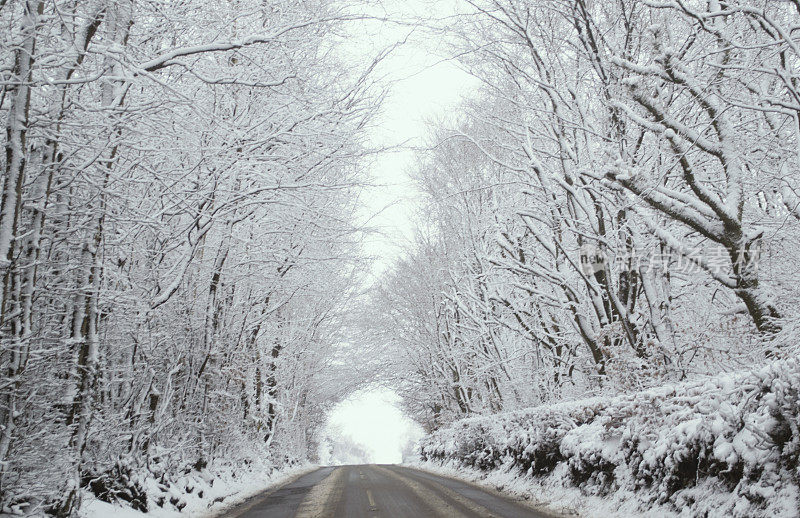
[380, 491]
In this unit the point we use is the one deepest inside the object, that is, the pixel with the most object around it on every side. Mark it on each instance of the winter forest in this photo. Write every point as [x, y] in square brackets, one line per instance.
[614, 209]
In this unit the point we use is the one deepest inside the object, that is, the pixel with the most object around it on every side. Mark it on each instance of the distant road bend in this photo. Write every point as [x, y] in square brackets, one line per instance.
[373, 491]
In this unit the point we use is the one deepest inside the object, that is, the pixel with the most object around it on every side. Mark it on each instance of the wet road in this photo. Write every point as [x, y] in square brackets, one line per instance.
[373, 491]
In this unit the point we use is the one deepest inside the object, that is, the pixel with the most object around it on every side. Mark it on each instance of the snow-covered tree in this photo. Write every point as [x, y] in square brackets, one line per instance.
[177, 227]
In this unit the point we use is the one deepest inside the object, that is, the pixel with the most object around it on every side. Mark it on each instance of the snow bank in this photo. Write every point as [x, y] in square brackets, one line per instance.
[725, 446]
[206, 492]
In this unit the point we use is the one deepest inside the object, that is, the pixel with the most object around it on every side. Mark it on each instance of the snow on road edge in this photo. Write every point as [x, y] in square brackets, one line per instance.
[546, 495]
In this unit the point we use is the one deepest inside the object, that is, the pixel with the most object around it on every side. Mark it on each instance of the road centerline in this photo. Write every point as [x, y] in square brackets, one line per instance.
[372, 506]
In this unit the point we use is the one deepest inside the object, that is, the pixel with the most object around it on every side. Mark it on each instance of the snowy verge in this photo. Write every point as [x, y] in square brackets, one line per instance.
[506, 484]
[200, 494]
[724, 446]
[547, 494]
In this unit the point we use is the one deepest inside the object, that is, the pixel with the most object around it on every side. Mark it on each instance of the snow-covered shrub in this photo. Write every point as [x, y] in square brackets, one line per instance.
[591, 452]
[737, 433]
[120, 483]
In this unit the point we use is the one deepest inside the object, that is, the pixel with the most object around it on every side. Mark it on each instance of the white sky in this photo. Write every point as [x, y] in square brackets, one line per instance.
[425, 88]
[430, 93]
[373, 418]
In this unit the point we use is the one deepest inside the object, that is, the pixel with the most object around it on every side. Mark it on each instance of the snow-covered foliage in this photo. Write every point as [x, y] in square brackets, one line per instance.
[337, 447]
[614, 209]
[177, 238]
[726, 445]
[202, 491]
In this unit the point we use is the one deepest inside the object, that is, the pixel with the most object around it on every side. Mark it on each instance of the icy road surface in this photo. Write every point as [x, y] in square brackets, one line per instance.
[380, 491]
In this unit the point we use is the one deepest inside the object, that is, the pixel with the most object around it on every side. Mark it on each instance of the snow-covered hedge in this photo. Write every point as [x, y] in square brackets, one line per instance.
[736, 435]
[201, 490]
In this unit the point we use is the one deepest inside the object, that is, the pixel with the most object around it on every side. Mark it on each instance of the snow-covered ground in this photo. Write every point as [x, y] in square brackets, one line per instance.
[724, 446]
[199, 494]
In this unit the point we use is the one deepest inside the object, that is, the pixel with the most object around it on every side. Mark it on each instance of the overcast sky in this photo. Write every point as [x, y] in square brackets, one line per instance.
[425, 87]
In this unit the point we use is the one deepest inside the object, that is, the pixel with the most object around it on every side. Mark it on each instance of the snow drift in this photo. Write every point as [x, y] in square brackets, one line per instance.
[204, 490]
[727, 445]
